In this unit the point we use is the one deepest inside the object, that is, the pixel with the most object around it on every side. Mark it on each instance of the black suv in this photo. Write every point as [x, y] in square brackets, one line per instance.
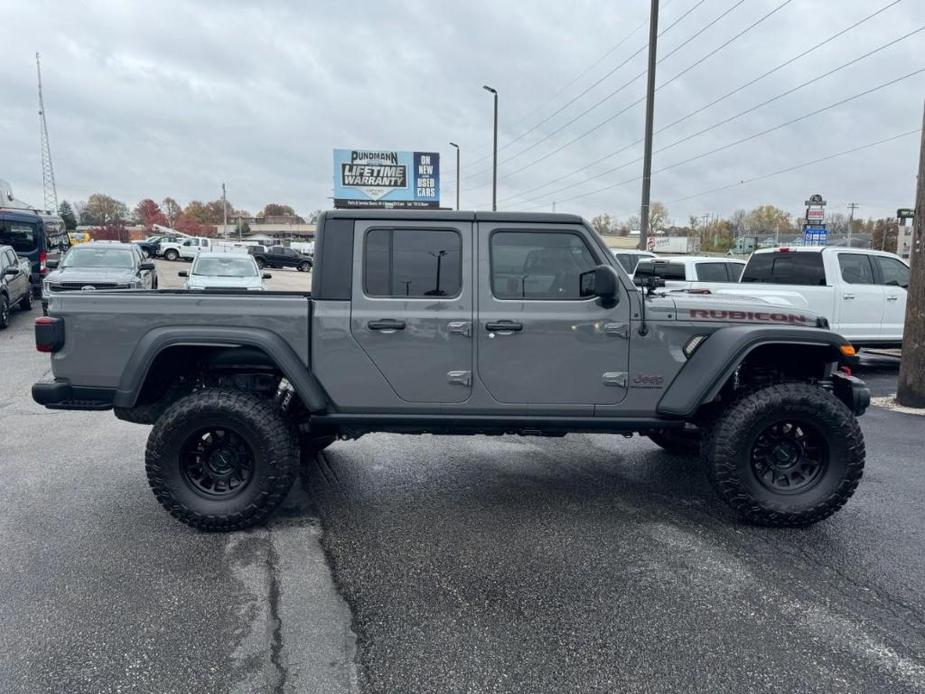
[280, 256]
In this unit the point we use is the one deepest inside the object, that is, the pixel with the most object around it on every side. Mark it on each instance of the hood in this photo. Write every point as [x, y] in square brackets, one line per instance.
[207, 282]
[92, 274]
[730, 308]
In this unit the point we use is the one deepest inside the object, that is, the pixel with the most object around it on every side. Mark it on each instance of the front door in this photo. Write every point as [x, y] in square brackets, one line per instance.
[412, 306]
[893, 276]
[539, 341]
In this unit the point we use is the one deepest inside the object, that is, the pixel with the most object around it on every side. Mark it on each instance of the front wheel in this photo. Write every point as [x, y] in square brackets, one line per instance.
[304, 267]
[785, 455]
[4, 312]
[221, 459]
[171, 254]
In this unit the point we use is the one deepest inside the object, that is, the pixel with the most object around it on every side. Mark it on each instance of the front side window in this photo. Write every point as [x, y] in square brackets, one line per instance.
[412, 263]
[538, 265]
[20, 235]
[893, 273]
[855, 268]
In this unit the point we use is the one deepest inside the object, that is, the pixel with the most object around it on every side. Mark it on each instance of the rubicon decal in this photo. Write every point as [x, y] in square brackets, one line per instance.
[714, 314]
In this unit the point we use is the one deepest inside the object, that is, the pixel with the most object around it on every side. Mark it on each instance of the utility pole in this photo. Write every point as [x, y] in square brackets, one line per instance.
[911, 387]
[224, 212]
[48, 171]
[852, 206]
[494, 156]
[650, 115]
[453, 144]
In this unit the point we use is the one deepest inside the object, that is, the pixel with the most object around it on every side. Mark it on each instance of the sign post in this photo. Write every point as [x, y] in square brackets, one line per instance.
[814, 229]
[386, 178]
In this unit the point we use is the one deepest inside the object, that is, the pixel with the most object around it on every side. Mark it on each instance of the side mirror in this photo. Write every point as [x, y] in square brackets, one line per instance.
[267, 276]
[51, 264]
[183, 273]
[602, 282]
[146, 266]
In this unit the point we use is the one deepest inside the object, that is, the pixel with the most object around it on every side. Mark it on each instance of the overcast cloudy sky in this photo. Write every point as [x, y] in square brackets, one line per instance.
[149, 99]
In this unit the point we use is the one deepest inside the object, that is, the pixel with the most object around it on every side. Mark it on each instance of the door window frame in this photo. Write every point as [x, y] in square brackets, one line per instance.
[538, 230]
[393, 228]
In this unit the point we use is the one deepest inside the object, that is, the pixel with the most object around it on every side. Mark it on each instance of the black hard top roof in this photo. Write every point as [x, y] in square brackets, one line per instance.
[453, 215]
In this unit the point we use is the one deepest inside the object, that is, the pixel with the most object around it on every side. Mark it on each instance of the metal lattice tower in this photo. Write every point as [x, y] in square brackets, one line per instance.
[48, 170]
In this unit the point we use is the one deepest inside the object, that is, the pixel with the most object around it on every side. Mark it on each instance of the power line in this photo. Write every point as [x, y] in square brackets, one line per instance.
[638, 101]
[586, 90]
[721, 148]
[795, 167]
[719, 123]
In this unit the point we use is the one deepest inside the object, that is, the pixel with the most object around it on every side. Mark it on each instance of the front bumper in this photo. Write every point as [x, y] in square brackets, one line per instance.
[61, 395]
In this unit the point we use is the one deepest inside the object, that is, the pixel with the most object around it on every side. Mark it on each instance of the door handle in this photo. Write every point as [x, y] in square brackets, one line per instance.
[847, 297]
[387, 325]
[504, 326]
[892, 297]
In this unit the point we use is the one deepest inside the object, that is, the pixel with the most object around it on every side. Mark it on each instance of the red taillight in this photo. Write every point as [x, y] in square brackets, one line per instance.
[43, 256]
[49, 334]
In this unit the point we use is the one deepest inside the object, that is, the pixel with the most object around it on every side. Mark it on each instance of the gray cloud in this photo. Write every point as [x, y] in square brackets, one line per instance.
[172, 98]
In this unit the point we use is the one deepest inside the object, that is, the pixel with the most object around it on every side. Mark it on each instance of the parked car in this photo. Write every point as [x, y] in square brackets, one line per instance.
[629, 258]
[15, 285]
[280, 256]
[99, 265]
[690, 271]
[224, 271]
[38, 238]
[184, 248]
[447, 322]
[860, 291]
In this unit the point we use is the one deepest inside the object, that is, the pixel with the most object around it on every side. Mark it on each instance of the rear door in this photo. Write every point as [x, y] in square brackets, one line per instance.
[538, 341]
[860, 300]
[893, 275]
[412, 308]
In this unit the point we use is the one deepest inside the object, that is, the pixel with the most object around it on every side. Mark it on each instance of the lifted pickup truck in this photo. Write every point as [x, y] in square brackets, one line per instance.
[447, 322]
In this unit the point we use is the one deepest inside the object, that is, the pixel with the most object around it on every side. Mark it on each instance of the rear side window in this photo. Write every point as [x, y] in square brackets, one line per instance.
[892, 272]
[22, 236]
[412, 263]
[538, 265]
[785, 268]
[855, 268]
[735, 271]
[667, 271]
[712, 272]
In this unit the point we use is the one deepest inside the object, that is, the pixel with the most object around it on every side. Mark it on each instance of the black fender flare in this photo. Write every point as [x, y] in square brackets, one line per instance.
[157, 340]
[710, 367]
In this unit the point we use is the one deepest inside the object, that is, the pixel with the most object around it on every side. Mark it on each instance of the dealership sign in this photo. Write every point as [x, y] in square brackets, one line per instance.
[386, 178]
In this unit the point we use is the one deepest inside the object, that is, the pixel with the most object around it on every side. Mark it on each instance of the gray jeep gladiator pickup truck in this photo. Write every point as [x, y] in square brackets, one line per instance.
[445, 322]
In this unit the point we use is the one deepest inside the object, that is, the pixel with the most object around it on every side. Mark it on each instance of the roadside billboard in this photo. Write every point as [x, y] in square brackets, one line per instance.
[386, 178]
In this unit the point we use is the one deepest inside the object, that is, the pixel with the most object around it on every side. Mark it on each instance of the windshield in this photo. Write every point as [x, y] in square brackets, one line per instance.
[225, 267]
[99, 257]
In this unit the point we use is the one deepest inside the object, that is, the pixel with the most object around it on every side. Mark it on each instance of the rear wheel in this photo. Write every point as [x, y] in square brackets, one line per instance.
[304, 267]
[4, 312]
[171, 254]
[785, 455]
[221, 459]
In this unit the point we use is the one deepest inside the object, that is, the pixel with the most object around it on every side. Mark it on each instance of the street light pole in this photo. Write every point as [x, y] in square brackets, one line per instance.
[852, 206]
[494, 157]
[457, 173]
[650, 114]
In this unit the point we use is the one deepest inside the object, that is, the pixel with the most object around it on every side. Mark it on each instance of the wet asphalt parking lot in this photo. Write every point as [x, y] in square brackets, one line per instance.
[434, 564]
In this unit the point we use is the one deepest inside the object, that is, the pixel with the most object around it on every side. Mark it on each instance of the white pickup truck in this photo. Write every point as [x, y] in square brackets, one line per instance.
[691, 271]
[186, 249]
[861, 292]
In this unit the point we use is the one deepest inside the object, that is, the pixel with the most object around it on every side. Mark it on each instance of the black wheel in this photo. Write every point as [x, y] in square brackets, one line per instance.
[27, 302]
[4, 312]
[304, 267]
[171, 254]
[684, 441]
[221, 459]
[785, 455]
[261, 263]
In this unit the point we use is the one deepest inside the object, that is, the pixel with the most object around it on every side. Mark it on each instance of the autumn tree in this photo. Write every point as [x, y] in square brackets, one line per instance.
[658, 217]
[602, 224]
[66, 212]
[102, 210]
[275, 209]
[148, 213]
[314, 216]
[884, 234]
[767, 219]
[171, 210]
